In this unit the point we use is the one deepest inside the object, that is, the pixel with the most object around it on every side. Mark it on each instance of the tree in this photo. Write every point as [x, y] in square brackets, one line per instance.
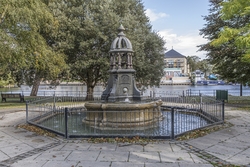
[151, 71]
[240, 34]
[205, 67]
[192, 61]
[225, 57]
[24, 51]
[87, 29]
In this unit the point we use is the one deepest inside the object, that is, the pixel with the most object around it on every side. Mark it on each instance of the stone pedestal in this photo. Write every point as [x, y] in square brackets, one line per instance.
[121, 86]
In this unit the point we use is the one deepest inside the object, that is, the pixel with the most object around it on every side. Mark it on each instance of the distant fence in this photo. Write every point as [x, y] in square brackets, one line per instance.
[57, 93]
[155, 93]
[191, 92]
[231, 92]
[64, 116]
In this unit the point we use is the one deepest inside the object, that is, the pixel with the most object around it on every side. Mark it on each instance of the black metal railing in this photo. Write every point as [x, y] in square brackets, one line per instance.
[65, 115]
[209, 92]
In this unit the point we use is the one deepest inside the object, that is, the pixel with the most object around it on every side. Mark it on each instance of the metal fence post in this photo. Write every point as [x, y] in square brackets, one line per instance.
[223, 110]
[27, 111]
[54, 102]
[66, 122]
[200, 97]
[172, 123]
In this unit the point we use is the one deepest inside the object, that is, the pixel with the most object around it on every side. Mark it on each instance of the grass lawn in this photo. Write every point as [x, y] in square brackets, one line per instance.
[14, 103]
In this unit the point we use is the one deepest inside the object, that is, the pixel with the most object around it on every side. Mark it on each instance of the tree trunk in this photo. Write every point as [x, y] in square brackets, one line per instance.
[90, 92]
[36, 85]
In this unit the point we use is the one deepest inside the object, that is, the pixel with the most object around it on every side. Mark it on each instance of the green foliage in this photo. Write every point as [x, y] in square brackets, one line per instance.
[237, 13]
[25, 52]
[193, 62]
[36, 35]
[151, 70]
[227, 47]
[87, 29]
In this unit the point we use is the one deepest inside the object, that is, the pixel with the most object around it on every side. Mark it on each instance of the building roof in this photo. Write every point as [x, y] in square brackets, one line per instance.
[173, 54]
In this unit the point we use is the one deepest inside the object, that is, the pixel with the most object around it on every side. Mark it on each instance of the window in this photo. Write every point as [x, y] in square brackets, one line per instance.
[170, 64]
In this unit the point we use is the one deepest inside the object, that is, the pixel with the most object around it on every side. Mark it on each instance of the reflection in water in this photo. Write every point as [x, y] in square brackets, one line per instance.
[183, 122]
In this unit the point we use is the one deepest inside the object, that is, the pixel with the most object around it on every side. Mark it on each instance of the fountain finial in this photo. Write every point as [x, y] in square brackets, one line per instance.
[121, 29]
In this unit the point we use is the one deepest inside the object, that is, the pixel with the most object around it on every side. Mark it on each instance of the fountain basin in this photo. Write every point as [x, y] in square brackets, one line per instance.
[122, 115]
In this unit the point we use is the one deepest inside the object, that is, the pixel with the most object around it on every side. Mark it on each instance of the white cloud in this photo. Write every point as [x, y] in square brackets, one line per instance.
[184, 44]
[154, 16]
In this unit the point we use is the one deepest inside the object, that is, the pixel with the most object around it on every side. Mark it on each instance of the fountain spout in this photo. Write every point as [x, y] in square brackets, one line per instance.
[125, 91]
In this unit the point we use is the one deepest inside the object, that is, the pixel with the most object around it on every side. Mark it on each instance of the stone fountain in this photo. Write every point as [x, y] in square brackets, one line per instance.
[121, 102]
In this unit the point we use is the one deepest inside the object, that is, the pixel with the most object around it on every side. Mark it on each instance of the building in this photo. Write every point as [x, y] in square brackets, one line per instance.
[175, 66]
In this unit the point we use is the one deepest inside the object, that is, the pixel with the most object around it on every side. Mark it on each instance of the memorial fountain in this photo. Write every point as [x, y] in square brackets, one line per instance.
[122, 104]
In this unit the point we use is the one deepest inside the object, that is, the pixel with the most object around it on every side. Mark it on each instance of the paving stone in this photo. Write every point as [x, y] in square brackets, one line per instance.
[94, 164]
[194, 165]
[219, 156]
[129, 148]
[53, 155]
[103, 146]
[244, 137]
[246, 152]
[197, 159]
[3, 156]
[9, 143]
[141, 157]
[61, 164]
[176, 148]
[83, 155]
[59, 147]
[243, 158]
[11, 119]
[76, 146]
[32, 157]
[231, 132]
[224, 135]
[236, 143]
[161, 165]
[113, 156]
[202, 143]
[176, 157]
[127, 164]
[160, 147]
[28, 163]
[16, 149]
[223, 150]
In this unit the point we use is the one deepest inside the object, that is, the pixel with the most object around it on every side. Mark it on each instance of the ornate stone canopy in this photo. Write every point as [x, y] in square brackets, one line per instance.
[121, 52]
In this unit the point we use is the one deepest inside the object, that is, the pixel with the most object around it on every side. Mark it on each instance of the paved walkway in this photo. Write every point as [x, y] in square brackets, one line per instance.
[19, 147]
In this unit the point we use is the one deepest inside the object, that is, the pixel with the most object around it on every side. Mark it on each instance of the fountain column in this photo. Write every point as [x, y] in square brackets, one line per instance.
[121, 75]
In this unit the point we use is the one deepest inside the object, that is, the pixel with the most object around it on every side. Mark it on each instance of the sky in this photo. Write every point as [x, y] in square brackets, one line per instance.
[179, 22]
